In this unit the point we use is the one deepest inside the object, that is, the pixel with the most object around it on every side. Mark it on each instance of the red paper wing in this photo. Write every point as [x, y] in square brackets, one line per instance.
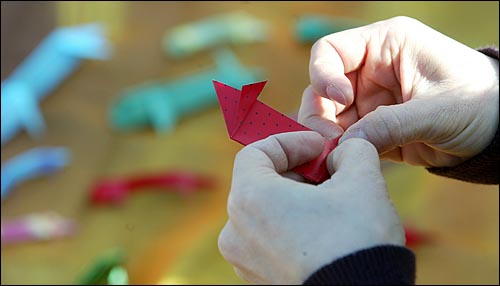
[229, 98]
[249, 94]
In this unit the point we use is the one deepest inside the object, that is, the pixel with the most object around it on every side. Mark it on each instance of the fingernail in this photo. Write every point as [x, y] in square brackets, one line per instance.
[336, 94]
[357, 133]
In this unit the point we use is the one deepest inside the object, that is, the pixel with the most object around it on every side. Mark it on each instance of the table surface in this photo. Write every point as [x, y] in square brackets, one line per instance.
[171, 239]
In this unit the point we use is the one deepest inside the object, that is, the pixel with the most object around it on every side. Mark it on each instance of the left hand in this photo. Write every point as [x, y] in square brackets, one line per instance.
[281, 231]
[417, 95]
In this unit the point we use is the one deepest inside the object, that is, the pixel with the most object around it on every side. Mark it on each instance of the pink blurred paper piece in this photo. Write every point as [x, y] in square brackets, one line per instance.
[249, 120]
[37, 226]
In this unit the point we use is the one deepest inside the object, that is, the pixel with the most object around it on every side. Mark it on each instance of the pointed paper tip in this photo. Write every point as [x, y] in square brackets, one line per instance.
[253, 90]
[220, 87]
[216, 82]
[259, 83]
[227, 97]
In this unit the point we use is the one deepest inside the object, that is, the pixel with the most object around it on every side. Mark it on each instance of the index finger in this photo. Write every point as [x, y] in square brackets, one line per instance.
[334, 56]
[276, 154]
[318, 113]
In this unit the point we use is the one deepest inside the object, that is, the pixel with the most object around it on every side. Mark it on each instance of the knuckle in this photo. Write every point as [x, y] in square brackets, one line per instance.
[248, 160]
[357, 149]
[361, 144]
[399, 26]
[243, 154]
[388, 122]
[318, 43]
[224, 243]
[318, 65]
[403, 21]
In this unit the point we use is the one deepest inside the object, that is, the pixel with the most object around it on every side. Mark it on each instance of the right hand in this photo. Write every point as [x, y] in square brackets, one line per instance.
[281, 231]
[417, 95]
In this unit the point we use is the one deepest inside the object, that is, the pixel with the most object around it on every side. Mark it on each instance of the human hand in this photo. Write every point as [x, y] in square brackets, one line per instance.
[417, 95]
[281, 231]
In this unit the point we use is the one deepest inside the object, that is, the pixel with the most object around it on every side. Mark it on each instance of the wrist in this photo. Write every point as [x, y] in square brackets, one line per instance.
[490, 100]
[477, 100]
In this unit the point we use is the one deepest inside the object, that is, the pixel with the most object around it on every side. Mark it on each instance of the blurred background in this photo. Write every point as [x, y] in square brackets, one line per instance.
[108, 116]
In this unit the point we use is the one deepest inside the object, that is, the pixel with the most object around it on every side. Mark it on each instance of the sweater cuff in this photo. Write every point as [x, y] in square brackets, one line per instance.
[381, 265]
[483, 168]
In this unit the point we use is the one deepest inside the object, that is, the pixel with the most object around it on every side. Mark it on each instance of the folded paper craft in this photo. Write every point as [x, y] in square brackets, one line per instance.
[36, 226]
[163, 104]
[115, 190]
[103, 270]
[48, 65]
[311, 27]
[249, 120]
[236, 28]
[34, 163]
[416, 237]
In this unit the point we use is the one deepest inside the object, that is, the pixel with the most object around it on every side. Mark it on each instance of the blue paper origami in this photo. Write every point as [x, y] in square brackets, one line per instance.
[221, 29]
[310, 28]
[161, 104]
[41, 161]
[55, 58]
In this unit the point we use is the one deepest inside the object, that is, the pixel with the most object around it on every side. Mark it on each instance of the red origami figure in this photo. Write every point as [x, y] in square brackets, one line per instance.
[115, 190]
[249, 120]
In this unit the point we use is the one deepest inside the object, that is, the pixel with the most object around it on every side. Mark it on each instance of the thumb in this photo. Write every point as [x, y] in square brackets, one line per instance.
[388, 127]
[355, 157]
[278, 153]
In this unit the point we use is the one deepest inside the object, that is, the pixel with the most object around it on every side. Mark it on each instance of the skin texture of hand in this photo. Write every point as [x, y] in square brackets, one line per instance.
[417, 95]
[280, 231]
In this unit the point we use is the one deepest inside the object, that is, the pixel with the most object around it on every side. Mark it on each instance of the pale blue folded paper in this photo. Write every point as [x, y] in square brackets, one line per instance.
[162, 104]
[50, 63]
[40, 161]
[235, 28]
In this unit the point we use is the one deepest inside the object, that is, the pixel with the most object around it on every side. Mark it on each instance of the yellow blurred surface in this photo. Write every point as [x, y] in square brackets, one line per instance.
[111, 13]
[170, 239]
